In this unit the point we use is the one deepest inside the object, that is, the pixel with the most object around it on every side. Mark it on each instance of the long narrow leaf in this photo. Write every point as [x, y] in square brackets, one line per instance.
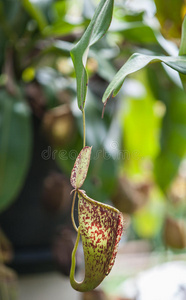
[96, 29]
[182, 50]
[15, 146]
[173, 139]
[138, 61]
[35, 13]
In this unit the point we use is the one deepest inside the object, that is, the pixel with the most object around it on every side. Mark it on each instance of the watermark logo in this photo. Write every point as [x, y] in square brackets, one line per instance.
[124, 155]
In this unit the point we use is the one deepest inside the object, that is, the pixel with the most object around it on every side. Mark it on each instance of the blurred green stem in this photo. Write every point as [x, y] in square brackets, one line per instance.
[72, 212]
[73, 264]
[36, 14]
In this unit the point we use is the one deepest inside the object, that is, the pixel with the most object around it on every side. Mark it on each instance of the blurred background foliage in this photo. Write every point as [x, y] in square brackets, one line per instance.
[138, 160]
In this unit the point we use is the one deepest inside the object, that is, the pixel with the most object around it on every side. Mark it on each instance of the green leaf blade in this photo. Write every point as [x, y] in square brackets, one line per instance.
[173, 137]
[138, 61]
[35, 13]
[182, 50]
[15, 147]
[103, 20]
[96, 29]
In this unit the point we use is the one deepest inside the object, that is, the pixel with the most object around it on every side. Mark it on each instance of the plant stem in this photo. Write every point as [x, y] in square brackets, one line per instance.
[72, 212]
[84, 135]
[73, 264]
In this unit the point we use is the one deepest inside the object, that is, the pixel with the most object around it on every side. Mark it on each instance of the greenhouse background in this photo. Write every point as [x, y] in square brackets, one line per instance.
[138, 139]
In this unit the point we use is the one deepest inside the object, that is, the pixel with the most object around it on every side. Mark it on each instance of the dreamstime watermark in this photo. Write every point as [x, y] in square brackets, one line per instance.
[49, 153]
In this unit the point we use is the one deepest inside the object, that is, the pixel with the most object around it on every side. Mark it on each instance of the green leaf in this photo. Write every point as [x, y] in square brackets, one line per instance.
[182, 50]
[138, 61]
[137, 32]
[96, 29]
[173, 139]
[140, 125]
[169, 14]
[15, 147]
[80, 169]
[63, 47]
[60, 28]
[100, 227]
[35, 13]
